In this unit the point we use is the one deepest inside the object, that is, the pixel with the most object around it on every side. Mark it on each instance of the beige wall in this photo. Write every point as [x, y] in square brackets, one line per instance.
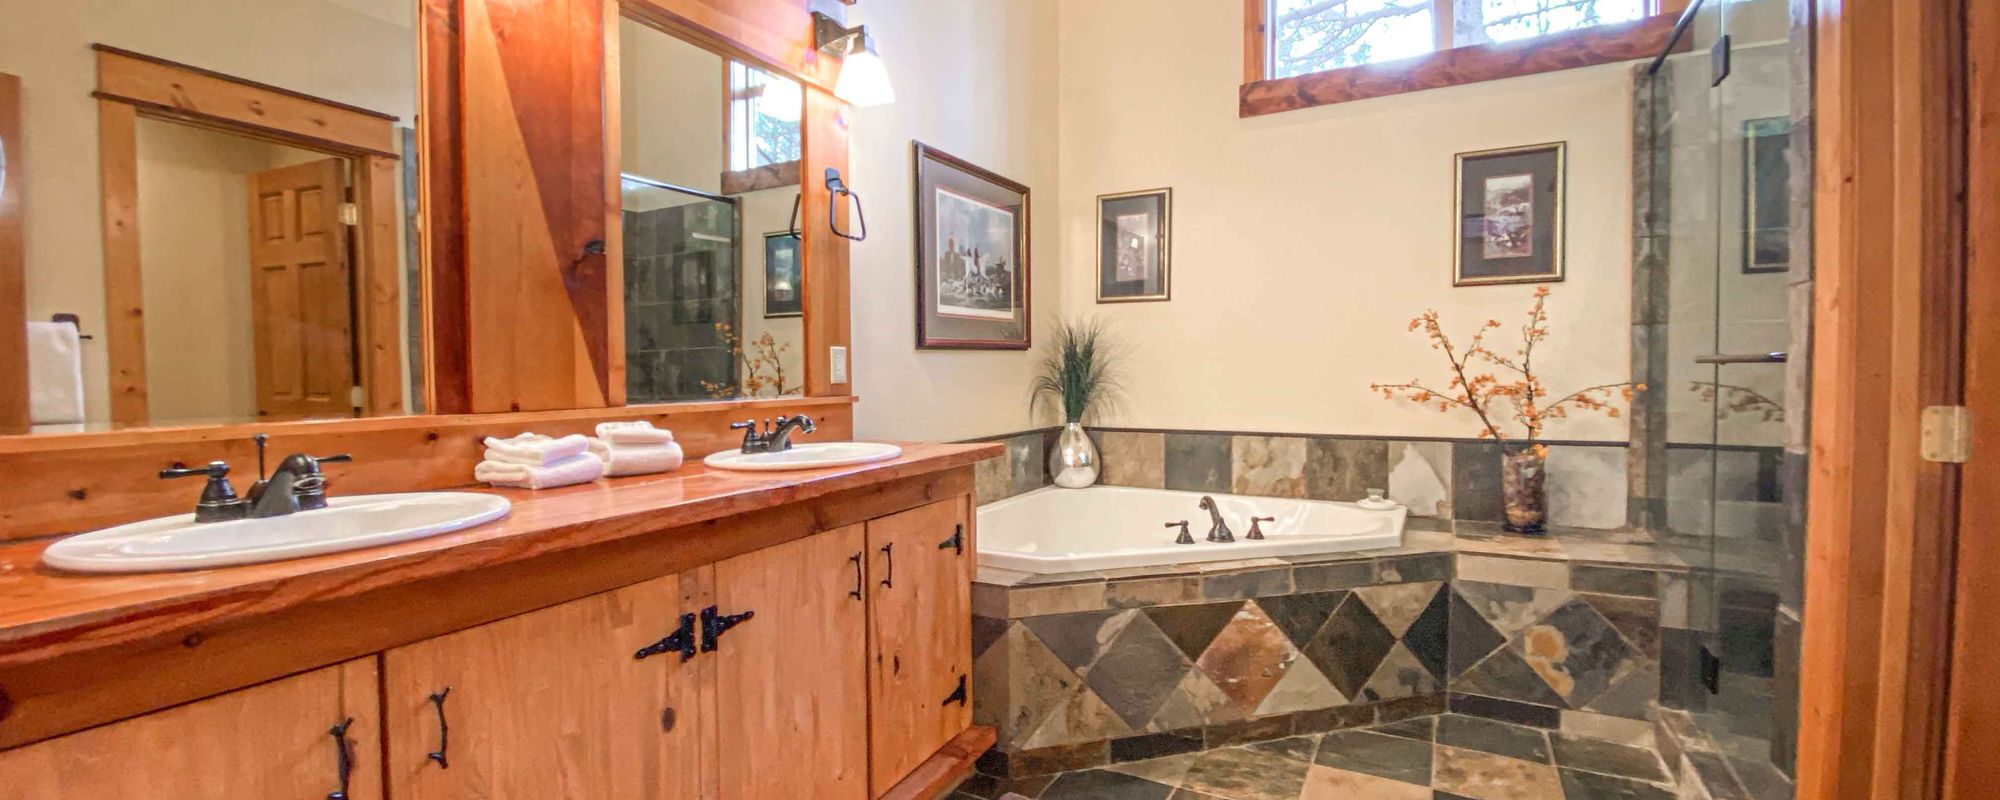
[361, 52]
[195, 255]
[768, 211]
[979, 80]
[1305, 241]
[671, 109]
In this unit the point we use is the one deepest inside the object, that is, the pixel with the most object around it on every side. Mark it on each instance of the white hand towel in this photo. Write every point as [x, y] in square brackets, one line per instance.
[634, 432]
[580, 468]
[636, 459]
[534, 449]
[55, 374]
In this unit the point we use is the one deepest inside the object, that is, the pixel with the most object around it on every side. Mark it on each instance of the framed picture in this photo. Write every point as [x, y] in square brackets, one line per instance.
[972, 256]
[1134, 246]
[782, 297]
[1507, 216]
[1767, 195]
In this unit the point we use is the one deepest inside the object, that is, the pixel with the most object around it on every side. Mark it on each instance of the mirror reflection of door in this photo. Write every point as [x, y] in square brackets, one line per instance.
[300, 292]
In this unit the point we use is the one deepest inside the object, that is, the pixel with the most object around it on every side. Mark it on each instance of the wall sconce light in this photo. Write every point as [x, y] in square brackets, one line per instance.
[864, 81]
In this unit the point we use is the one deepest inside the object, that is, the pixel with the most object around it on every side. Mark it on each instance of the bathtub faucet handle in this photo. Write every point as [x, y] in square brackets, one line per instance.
[1185, 537]
[1255, 531]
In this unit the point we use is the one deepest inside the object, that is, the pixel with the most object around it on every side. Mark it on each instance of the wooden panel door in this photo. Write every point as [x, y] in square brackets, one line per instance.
[554, 703]
[792, 687]
[273, 741]
[919, 636]
[301, 292]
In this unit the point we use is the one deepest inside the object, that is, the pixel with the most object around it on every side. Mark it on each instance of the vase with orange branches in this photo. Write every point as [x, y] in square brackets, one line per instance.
[1502, 389]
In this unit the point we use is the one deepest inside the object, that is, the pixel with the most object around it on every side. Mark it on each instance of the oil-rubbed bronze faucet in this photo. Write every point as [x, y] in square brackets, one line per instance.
[297, 485]
[1185, 537]
[777, 438]
[1218, 530]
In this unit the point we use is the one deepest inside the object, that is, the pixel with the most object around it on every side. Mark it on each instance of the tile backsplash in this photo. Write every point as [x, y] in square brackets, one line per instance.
[1443, 478]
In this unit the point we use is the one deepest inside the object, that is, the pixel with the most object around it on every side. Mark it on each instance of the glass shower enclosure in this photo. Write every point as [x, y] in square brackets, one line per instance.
[1722, 290]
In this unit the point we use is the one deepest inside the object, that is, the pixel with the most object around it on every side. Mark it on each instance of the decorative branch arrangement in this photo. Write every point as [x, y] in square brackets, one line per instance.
[1738, 400]
[1487, 395]
[765, 355]
[1079, 369]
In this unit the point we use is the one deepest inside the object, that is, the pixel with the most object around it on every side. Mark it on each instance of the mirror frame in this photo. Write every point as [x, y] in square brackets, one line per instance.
[477, 381]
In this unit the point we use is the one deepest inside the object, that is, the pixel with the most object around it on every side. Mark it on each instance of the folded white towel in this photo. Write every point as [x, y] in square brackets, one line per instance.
[55, 374]
[534, 449]
[636, 459]
[580, 468]
[633, 432]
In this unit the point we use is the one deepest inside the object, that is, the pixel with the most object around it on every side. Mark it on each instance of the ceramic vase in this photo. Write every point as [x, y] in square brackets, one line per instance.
[1074, 464]
[1522, 483]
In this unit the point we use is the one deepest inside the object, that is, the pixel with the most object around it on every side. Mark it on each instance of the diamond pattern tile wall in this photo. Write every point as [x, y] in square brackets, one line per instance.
[1137, 670]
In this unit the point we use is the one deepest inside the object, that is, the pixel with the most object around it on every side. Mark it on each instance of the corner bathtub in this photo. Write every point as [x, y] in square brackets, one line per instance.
[1054, 530]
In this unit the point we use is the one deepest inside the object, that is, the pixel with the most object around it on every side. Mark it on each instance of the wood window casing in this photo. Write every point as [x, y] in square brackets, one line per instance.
[1261, 93]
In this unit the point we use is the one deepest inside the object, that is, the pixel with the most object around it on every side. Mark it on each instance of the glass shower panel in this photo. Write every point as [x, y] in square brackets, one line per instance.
[682, 292]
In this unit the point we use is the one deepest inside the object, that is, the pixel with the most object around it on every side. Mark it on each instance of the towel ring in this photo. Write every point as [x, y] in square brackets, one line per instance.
[835, 188]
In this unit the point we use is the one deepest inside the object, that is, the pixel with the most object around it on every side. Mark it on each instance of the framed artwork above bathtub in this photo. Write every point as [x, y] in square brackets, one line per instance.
[973, 279]
[1507, 216]
[1134, 246]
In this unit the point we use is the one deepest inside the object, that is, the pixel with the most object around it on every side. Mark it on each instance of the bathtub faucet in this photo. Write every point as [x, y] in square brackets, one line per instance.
[1219, 530]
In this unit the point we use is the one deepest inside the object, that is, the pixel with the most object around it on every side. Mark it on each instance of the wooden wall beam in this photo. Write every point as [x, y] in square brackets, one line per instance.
[124, 294]
[172, 88]
[447, 353]
[827, 293]
[13, 264]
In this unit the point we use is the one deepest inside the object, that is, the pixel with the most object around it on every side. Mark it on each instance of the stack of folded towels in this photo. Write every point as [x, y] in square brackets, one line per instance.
[534, 461]
[635, 448]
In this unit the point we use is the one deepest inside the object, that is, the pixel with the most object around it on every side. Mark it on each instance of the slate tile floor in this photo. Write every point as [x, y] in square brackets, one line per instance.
[1446, 757]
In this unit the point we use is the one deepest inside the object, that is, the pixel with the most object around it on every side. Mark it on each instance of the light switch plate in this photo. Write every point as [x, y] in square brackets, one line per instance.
[837, 357]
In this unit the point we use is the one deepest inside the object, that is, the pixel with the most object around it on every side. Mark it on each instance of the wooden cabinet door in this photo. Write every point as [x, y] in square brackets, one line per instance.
[791, 680]
[919, 637]
[554, 703]
[273, 741]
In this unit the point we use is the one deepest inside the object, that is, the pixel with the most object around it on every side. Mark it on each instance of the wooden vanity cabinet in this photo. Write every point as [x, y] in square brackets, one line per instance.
[273, 741]
[919, 653]
[556, 703]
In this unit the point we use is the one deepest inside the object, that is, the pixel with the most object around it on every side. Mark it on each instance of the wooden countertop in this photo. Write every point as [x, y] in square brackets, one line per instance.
[46, 612]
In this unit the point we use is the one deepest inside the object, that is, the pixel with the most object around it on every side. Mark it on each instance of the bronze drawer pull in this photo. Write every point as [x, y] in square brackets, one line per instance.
[889, 574]
[344, 759]
[444, 729]
[858, 580]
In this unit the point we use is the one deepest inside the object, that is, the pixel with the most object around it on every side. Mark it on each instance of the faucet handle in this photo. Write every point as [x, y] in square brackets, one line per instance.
[335, 459]
[1257, 532]
[1185, 537]
[218, 499]
[214, 469]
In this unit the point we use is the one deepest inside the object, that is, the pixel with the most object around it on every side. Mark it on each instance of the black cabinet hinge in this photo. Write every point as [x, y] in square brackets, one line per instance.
[956, 543]
[957, 695]
[680, 641]
[714, 624]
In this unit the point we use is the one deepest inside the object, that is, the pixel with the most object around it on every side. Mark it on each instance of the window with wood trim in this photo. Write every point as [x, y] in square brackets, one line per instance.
[1313, 52]
[763, 119]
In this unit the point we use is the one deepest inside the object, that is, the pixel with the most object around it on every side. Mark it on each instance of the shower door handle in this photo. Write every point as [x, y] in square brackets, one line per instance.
[1740, 358]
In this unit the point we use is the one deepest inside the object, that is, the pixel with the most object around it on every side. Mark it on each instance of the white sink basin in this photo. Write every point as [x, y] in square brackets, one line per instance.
[805, 456]
[347, 523]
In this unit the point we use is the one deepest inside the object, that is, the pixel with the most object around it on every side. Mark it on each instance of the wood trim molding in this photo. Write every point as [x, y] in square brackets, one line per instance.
[172, 89]
[378, 287]
[1256, 40]
[769, 176]
[827, 293]
[440, 127]
[1888, 326]
[776, 35]
[946, 768]
[13, 264]
[124, 296]
[1458, 66]
[53, 484]
[616, 388]
[1973, 729]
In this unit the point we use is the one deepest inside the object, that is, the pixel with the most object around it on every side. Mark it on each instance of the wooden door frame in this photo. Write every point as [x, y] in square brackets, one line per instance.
[133, 85]
[1973, 729]
[13, 264]
[1888, 325]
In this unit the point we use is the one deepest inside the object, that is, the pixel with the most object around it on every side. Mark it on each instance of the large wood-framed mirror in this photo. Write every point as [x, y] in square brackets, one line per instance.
[218, 212]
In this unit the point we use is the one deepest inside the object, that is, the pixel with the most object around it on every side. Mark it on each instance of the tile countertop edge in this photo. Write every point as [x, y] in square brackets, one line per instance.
[73, 608]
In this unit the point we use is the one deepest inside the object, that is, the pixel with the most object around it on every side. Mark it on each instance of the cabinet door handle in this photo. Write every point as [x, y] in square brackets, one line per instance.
[956, 543]
[858, 580]
[680, 641]
[444, 729]
[889, 574]
[343, 758]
